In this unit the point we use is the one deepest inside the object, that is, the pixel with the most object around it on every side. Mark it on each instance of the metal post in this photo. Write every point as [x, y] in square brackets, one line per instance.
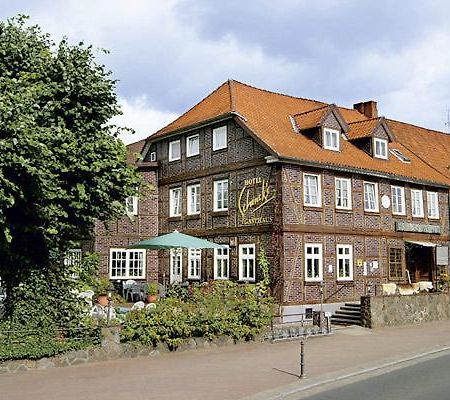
[108, 315]
[302, 359]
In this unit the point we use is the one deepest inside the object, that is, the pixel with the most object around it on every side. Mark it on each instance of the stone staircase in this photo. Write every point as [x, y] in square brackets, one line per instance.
[348, 314]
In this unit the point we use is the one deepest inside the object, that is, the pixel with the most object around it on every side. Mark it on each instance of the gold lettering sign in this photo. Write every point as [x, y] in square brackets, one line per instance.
[249, 204]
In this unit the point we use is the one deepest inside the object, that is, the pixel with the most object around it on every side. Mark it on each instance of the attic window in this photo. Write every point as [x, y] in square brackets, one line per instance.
[397, 153]
[331, 139]
[380, 148]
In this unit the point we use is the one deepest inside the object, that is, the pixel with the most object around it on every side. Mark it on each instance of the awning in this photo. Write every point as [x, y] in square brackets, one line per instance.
[423, 244]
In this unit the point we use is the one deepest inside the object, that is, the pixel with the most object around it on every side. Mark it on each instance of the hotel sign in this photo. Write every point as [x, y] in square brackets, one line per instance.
[255, 194]
[419, 228]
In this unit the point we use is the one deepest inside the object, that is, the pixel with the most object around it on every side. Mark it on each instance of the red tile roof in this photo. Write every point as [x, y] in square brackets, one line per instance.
[134, 151]
[268, 116]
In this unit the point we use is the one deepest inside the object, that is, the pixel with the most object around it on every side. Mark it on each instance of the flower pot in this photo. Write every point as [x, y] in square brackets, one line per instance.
[102, 300]
[152, 298]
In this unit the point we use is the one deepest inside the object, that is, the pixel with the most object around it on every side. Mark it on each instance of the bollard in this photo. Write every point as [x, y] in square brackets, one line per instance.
[302, 359]
[108, 315]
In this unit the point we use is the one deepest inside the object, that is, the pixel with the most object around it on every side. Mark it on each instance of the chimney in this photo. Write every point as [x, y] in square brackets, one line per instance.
[368, 108]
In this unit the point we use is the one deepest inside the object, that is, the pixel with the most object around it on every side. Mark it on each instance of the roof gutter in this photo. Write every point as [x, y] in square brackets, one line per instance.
[306, 163]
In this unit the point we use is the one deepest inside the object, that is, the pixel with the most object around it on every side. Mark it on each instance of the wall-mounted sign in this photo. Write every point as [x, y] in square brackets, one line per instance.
[255, 194]
[401, 226]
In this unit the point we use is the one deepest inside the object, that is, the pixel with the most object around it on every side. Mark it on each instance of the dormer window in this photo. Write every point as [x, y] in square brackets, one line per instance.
[331, 139]
[380, 148]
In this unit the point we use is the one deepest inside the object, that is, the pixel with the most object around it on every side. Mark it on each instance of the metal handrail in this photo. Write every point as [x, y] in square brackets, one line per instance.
[344, 285]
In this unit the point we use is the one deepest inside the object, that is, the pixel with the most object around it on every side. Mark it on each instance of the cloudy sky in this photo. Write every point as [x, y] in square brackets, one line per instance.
[168, 54]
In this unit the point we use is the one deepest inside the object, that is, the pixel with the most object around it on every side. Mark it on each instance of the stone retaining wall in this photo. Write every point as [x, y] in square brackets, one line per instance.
[112, 349]
[388, 311]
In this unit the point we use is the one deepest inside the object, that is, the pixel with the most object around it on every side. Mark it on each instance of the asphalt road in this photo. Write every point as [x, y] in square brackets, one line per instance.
[428, 380]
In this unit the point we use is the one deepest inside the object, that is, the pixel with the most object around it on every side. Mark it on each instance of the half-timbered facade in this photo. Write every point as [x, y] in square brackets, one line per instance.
[337, 197]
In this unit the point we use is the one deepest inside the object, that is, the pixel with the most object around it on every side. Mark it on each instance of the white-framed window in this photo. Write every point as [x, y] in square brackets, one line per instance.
[192, 145]
[126, 263]
[221, 195]
[344, 259]
[175, 150]
[417, 203]
[131, 205]
[331, 139]
[313, 262]
[433, 205]
[176, 265]
[219, 138]
[380, 148]
[371, 197]
[247, 262]
[194, 263]
[398, 200]
[175, 202]
[193, 199]
[343, 188]
[312, 195]
[153, 156]
[222, 262]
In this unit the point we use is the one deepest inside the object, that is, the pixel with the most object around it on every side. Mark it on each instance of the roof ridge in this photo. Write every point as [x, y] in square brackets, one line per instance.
[279, 93]
[230, 87]
[418, 126]
[187, 111]
[309, 111]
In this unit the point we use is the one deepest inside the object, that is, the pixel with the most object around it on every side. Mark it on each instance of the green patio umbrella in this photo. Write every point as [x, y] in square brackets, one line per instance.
[175, 240]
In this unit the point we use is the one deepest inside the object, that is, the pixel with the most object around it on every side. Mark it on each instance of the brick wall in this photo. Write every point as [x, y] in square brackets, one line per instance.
[128, 230]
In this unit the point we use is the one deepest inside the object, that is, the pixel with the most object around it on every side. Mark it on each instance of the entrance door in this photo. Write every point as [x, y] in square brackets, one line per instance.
[176, 266]
[420, 262]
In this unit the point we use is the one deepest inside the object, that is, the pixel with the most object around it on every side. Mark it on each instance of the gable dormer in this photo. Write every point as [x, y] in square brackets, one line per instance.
[325, 125]
[373, 136]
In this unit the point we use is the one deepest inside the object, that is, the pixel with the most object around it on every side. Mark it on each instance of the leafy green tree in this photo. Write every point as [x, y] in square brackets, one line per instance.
[62, 165]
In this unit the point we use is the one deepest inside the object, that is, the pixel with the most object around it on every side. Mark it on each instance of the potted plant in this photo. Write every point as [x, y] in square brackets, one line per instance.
[101, 289]
[152, 292]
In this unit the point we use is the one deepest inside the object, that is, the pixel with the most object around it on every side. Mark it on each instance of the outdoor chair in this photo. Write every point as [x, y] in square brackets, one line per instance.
[136, 291]
[126, 287]
[150, 306]
[138, 306]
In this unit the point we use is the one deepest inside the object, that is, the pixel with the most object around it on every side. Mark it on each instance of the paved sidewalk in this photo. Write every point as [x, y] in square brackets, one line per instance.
[231, 372]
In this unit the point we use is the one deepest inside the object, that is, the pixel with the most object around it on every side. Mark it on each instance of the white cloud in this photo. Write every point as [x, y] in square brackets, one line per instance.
[414, 81]
[140, 116]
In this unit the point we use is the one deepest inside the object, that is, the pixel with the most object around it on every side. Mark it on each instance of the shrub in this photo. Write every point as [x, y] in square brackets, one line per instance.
[211, 310]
